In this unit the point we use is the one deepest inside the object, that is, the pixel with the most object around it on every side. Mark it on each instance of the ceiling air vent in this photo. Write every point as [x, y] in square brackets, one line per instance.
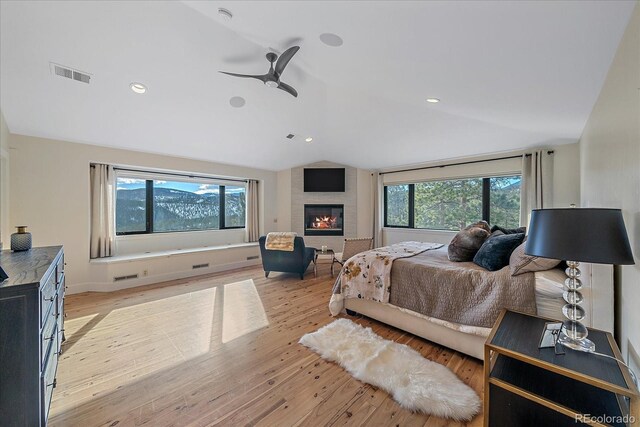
[291, 136]
[70, 73]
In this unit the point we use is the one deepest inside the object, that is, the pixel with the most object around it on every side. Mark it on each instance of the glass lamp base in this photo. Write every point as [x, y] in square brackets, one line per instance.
[582, 344]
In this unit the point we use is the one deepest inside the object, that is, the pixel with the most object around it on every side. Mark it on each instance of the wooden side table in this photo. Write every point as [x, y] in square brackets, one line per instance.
[327, 255]
[528, 386]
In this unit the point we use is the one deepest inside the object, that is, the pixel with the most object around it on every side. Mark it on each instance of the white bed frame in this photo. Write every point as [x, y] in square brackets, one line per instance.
[472, 345]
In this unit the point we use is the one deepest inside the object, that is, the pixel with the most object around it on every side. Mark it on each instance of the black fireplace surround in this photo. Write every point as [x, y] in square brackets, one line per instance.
[323, 220]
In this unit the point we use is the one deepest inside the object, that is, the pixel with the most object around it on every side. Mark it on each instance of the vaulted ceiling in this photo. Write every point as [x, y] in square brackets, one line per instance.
[510, 75]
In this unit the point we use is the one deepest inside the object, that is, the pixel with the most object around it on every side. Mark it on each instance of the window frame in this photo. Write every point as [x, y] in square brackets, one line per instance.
[149, 205]
[486, 201]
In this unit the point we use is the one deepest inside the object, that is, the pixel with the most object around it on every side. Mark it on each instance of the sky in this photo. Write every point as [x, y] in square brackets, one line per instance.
[192, 187]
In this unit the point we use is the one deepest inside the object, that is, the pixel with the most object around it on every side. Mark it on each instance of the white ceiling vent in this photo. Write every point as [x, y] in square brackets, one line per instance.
[69, 73]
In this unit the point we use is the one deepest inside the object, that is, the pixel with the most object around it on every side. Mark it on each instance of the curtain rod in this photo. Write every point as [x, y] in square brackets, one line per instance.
[184, 175]
[461, 163]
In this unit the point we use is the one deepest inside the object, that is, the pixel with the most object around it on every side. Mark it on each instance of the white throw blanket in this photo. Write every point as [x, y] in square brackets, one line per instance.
[280, 241]
[367, 275]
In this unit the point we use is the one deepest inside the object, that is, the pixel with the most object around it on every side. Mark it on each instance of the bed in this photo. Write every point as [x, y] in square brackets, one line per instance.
[417, 280]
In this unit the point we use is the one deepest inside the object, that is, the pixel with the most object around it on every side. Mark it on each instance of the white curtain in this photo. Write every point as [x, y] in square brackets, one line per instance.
[536, 184]
[102, 181]
[378, 198]
[252, 227]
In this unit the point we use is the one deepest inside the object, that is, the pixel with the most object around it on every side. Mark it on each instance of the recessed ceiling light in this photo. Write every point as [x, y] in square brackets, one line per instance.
[308, 139]
[225, 13]
[237, 101]
[331, 39]
[138, 87]
[433, 100]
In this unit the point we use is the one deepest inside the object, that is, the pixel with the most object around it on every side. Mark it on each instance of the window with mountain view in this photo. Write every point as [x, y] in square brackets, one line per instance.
[453, 204]
[160, 206]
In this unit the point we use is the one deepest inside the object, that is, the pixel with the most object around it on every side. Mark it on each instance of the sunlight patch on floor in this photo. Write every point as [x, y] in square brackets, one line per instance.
[243, 310]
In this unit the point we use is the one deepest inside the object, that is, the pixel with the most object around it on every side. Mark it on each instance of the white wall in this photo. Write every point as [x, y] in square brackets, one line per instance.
[566, 185]
[610, 169]
[5, 226]
[284, 200]
[364, 202]
[50, 194]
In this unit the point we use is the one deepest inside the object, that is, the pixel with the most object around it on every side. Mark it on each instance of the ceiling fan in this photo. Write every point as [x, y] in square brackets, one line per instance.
[272, 78]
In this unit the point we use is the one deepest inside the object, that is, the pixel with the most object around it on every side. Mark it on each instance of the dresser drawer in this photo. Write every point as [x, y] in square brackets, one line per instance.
[47, 296]
[48, 380]
[48, 332]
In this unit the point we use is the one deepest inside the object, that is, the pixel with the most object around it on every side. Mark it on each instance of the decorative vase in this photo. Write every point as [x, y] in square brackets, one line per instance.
[21, 241]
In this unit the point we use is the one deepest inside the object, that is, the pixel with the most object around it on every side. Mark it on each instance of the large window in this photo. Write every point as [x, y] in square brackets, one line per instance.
[453, 204]
[159, 206]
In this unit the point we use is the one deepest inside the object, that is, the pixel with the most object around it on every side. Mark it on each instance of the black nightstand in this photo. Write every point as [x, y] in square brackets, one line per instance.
[528, 386]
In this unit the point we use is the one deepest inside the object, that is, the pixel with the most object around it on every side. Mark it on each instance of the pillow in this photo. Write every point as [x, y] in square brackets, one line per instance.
[495, 252]
[481, 224]
[520, 263]
[466, 243]
[509, 230]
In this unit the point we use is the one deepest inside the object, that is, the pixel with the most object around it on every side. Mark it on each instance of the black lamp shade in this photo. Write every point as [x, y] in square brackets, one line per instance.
[579, 234]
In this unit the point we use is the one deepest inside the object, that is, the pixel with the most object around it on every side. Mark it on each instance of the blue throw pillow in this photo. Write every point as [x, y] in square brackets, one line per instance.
[495, 251]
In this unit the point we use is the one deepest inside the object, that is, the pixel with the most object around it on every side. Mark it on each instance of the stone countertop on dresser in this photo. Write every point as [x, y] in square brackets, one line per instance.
[28, 267]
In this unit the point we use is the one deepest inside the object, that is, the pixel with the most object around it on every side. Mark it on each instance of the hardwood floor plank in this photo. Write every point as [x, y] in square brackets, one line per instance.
[161, 355]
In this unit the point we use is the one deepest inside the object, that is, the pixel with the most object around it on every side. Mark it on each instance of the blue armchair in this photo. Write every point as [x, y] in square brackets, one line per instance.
[296, 261]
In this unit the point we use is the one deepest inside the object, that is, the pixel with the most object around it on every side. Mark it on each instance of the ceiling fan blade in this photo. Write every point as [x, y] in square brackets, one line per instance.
[284, 59]
[285, 87]
[247, 76]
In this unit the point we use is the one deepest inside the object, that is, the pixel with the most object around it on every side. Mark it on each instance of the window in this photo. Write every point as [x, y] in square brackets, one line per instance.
[396, 206]
[453, 204]
[160, 206]
[235, 200]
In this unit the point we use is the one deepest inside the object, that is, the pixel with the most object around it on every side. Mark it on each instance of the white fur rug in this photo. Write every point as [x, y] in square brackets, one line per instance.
[414, 382]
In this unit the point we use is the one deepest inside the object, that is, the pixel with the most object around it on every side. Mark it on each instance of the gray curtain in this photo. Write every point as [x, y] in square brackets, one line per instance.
[536, 184]
[378, 197]
[102, 211]
[252, 228]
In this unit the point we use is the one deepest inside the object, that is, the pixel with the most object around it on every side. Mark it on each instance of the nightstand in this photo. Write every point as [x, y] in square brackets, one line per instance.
[528, 386]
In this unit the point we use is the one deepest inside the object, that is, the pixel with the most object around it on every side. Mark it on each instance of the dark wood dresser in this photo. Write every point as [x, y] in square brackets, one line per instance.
[31, 333]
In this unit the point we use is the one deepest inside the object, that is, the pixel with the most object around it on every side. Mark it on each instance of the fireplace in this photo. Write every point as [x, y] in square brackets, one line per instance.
[323, 220]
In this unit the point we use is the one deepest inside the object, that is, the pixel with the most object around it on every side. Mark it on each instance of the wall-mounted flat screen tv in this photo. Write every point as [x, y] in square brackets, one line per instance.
[324, 180]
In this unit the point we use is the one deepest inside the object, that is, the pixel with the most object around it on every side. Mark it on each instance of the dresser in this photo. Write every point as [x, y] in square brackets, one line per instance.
[31, 333]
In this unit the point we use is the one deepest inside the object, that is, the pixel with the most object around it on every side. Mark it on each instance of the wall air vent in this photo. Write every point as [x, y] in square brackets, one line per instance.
[200, 266]
[128, 277]
[69, 73]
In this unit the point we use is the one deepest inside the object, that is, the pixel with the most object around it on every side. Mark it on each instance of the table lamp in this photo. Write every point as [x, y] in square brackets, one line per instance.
[578, 235]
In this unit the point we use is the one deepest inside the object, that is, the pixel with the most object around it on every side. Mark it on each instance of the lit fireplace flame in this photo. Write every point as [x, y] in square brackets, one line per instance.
[325, 222]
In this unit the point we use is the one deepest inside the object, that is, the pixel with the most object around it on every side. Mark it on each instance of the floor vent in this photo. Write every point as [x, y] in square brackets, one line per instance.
[200, 266]
[252, 257]
[128, 277]
[70, 73]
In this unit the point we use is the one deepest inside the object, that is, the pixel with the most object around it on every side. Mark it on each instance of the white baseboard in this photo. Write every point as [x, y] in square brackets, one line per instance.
[77, 288]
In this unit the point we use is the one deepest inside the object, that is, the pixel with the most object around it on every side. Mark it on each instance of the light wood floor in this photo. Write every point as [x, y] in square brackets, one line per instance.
[221, 350]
